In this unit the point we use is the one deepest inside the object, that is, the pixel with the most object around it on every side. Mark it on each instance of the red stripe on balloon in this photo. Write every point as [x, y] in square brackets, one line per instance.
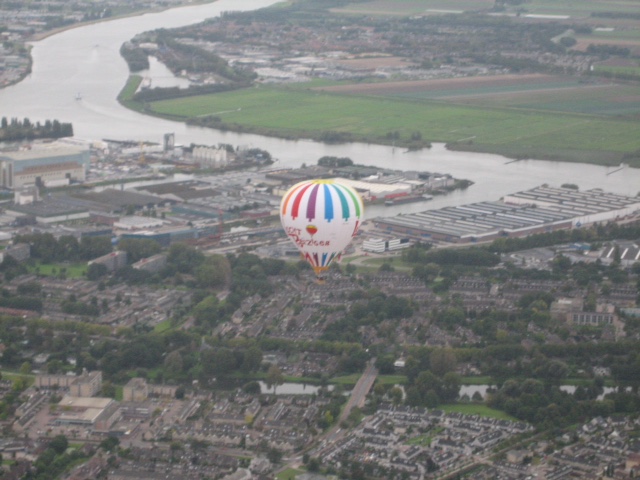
[297, 201]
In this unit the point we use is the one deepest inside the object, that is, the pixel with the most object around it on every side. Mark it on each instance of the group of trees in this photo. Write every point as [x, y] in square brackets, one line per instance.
[597, 233]
[369, 308]
[15, 129]
[334, 162]
[53, 461]
[178, 56]
[48, 249]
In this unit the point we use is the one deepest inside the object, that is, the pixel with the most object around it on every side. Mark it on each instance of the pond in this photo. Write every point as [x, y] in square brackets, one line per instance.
[290, 388]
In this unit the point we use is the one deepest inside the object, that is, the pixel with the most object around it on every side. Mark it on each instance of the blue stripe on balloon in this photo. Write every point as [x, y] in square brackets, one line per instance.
[324, 259]
[328, 204]
[343, 201]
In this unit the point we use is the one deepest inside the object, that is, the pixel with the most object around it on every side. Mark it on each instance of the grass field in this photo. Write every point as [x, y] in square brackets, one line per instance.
[162, 326]
[601, 99]
[414, 7]
[298, 112]
[583, 8]
[13, 377]
[426, 439]
[288, 474]
[617, 70]
[73, 270]
[346, 380]
[477, 409]
[574, 9]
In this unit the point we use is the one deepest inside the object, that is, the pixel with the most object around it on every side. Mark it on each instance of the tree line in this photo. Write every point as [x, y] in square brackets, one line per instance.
[16, 130]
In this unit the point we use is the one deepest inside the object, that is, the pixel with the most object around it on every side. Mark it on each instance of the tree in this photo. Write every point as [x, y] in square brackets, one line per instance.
[138, 248]
[450, 387]
[108, 389]
[313, 465]
[252, 388]
[214, 272]
[219, 362]
[59, 444]
[94, 247]
[96, 270]
[173, 363]
[442, 360]
[25, 368]
[252, 359]
[385, 364]
[109, 444]
[184, 258]
[274, 377]
[206, 311]
[274, 455]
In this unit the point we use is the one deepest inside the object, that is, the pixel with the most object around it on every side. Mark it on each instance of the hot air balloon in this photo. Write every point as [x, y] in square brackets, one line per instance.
[321, 217]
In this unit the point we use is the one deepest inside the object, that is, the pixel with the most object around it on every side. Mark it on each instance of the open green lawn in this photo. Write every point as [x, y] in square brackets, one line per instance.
[346, 380]
[288, 474]
[391, 379]
[71, 270]
[162, 326]
[296, 113]
[620, 70]
[11, 376]
[426, 439]
[476, 409]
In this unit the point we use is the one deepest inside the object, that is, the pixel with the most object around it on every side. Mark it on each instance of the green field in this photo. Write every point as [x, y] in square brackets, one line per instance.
[13, 377]
[574, 9]
[414, 7]
[305, 113]
[162, 326]
[426, 439]
[596, 99]
[288, 474]
[477, 409]
[73, 270]
[582, 8]
[619, 70]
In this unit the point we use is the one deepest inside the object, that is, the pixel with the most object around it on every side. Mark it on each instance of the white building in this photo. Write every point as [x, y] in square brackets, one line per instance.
[43, 165]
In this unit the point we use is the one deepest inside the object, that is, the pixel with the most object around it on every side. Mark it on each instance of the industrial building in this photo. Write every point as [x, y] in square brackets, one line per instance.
[588, 207]
[381, 245]
[49, 165]
[538, 210]
[94, 413]
[52, 209]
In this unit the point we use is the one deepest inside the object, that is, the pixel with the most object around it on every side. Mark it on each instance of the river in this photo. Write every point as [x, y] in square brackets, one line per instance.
[85, 62]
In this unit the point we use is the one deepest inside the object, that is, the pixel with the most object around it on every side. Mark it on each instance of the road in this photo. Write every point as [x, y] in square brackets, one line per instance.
[357, 398]
[360, 390]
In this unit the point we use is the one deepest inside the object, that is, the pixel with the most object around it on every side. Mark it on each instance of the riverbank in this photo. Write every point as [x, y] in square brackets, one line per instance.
[42, 35]
[301, 114]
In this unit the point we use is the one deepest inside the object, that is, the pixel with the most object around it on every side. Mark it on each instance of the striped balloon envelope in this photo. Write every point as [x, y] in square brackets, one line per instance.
[321, 217]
